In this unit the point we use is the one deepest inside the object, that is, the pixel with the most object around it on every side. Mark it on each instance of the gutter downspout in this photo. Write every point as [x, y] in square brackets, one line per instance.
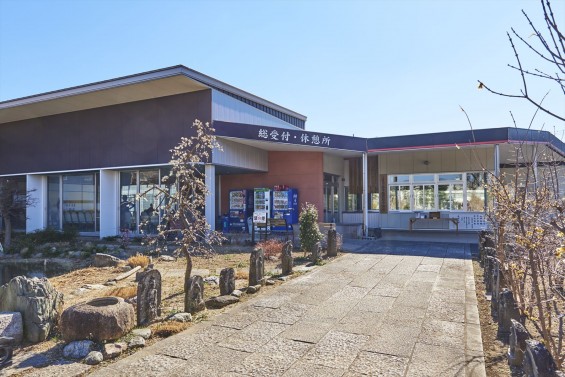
[365, 196]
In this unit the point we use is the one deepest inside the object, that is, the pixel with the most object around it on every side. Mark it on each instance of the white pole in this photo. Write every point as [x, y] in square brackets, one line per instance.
[210, 204]
[365, 196]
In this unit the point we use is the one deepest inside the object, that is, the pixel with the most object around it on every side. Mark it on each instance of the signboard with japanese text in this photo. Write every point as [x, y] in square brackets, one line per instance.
[259, 217]
[289, 136]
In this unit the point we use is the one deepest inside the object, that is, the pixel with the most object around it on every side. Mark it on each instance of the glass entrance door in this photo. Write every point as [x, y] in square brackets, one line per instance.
[331, 198]
[140, 202]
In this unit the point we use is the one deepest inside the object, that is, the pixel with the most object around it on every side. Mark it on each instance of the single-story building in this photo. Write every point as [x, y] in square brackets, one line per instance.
[86, 152]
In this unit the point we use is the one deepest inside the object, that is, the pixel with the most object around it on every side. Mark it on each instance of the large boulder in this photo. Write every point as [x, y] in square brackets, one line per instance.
[11, 326]
[105, 318]
[38, 302]
[105, 260]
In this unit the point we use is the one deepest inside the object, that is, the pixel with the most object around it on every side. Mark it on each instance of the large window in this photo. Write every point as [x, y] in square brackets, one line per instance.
[73, 202]
[444, 192]
[143, 212]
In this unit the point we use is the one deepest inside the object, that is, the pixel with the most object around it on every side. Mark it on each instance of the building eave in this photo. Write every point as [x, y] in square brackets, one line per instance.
[158, 83]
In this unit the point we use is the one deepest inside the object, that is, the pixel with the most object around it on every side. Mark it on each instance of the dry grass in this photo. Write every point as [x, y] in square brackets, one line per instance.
[166, 329]
[138, 260]
[241, 275]
[124, 292]
[272, 248]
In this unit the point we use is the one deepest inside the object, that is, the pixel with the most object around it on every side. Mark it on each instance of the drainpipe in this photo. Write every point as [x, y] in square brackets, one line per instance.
[497, 160]
[365, 196]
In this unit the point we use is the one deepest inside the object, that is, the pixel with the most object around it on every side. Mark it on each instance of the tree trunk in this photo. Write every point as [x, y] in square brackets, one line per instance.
[188, 270]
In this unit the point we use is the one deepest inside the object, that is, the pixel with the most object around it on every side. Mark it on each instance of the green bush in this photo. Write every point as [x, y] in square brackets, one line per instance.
[309, 232]
[33, 241]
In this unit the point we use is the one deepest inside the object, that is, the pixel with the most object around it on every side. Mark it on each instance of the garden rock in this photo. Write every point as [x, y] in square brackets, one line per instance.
[256, 266]
[113, 350]
[148, 297]
[194, 295]
[11, 326]
[316, 252]
[181, 317]
[6, 351]
[78, 349]
[37, 300]
[537, 360]
[253, 288]
[287, 260]
[227, 281]
[105, 260]
[518, 337]
[221, 301]
[94, 358]
[144, 333]
[93, 286]
[212, 280]
[167, 258]
[270, 282]
[105, 318]
[136, 342]
[507, 311]
[237, 293]
[332, 243]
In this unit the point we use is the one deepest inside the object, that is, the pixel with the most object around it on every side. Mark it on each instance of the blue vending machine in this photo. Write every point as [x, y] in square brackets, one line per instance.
[285, 205]
[239, 209]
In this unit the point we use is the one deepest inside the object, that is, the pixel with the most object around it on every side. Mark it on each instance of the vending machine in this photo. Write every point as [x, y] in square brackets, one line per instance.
[239, 201]
[285, 205]
[262, 200]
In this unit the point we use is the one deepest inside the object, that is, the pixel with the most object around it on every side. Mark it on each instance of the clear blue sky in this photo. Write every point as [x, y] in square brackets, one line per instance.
[369, 68]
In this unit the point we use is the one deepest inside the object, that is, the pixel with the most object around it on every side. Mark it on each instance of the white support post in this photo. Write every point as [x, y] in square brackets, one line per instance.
[109, 204]
[365, 196]
[36, 214]
[210, 205]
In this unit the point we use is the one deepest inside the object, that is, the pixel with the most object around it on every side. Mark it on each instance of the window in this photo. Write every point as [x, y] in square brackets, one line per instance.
[73, 202]
[399, 198]
[444, 192]
[374, 201]
[424, 197]
[476, 191]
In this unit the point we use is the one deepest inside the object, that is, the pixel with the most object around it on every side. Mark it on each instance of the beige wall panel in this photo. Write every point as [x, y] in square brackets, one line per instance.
[418, 159]
[333, 165]
[448, 162]
[405, 163]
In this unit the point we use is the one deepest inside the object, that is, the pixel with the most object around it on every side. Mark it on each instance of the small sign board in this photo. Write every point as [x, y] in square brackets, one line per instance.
[259, 217]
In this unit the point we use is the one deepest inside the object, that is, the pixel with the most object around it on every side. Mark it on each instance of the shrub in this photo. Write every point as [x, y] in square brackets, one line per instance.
[166, 329]
[271, 248]
[138, 260]
[309, 232]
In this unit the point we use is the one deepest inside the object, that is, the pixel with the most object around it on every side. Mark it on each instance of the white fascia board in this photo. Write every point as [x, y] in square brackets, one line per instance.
[102, 85]
[143, 77]
[133, 167]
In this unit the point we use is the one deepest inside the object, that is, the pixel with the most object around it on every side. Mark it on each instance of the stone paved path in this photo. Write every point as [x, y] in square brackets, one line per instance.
[386, 309]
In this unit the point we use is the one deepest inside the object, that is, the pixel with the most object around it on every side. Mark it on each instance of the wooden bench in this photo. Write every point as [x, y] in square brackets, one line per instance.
[434, 221]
